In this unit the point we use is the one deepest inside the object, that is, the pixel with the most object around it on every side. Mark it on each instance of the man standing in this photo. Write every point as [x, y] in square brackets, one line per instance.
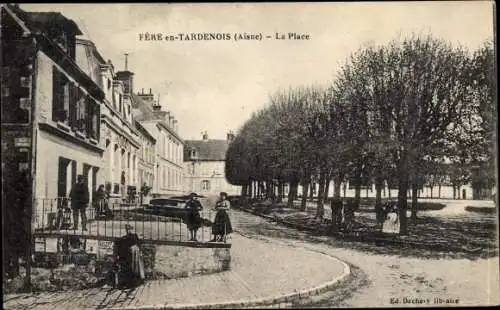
[79, 196]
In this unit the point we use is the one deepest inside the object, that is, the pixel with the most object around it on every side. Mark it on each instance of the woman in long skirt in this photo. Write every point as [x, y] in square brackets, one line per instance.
[222, 224]
[130, 261]
[193, 218]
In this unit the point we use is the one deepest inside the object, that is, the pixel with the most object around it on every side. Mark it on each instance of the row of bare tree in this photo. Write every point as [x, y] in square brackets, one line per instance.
[392, 114]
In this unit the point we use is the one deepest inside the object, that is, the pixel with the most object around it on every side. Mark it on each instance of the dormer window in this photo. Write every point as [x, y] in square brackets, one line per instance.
[193, 154]
[62, 41]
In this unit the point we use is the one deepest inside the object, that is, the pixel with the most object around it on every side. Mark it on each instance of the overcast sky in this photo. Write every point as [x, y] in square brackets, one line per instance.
[216, 85]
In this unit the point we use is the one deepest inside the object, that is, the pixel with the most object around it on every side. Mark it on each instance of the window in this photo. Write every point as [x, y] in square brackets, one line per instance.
[205, 185]
[62, 41]
[81, 107]
[93, 118]
[60, 97]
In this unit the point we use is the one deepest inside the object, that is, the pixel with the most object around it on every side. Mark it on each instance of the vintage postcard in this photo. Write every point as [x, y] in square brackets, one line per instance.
[263, 155]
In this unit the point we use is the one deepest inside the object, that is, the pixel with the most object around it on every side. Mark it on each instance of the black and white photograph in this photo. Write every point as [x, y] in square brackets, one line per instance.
[249, 155]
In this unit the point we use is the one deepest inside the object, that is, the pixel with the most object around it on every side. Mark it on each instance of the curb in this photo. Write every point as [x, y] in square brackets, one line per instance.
[266, 301]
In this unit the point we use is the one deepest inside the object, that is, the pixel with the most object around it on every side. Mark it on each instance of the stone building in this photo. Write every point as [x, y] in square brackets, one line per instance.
[120, 138]
[50, 107]
[147, 157]
[204, 164]
[169, 145]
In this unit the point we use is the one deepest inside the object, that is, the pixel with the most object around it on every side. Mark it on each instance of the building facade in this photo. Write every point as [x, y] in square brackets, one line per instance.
[204, 164]
[45, 90]
[168, 148]
[120, 138]
[147, 157]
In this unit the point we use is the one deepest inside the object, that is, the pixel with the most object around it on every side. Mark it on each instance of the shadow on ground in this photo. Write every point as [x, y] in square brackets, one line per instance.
[450, 234]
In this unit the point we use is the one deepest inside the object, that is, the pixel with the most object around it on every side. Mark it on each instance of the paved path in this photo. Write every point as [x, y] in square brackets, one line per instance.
[260, 268]
[391, 277]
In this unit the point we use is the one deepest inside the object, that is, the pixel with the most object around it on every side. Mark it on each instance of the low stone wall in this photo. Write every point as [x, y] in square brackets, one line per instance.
[177, 261]
[55, 271]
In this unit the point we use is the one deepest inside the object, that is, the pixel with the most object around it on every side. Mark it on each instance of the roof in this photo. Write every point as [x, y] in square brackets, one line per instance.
[144, 131]
[210, 150]
[142, 110]
[49, 21]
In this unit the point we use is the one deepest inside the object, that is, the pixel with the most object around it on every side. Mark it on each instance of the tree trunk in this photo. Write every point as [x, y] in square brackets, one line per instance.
[439, 191]
[320, 208]
[336, 187]
[303, 202]
[327, 188]
[402, 197]
[432, 189]
[292, 195]
[250, 190]
[311, 190]
[243, 194]
[345, 189]
[279, 198]
[414, 203]
[269, 190]
[378, 192]
[357, 193]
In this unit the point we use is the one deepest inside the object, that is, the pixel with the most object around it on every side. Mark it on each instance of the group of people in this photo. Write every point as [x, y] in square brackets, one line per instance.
[342, 216]
[130, 264]
[221, 226]
[79, 198]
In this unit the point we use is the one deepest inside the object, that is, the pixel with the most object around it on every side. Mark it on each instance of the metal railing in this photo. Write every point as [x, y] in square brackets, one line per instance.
[157, 224]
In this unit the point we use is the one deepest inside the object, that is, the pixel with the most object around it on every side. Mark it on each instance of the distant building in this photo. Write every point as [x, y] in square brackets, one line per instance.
[147, 157]
[204, 164]
[169, 145]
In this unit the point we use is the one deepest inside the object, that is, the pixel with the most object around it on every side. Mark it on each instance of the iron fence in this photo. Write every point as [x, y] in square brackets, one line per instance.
[106, 220]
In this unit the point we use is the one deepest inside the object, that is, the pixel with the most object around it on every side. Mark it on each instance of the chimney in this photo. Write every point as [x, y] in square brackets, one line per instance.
[205, 136]
[175, 125]
[230, 136]
[150, 91]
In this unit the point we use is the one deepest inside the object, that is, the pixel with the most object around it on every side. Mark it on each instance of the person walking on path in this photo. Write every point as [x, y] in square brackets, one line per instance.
[222, 224]
[193, 218]
[79, 196]
[129, 258]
